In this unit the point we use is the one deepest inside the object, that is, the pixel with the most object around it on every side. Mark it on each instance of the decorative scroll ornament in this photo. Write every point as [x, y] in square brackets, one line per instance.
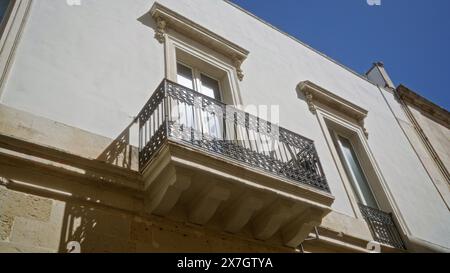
[160, 32]
[361, 123]
[237, 64]
[309, 100]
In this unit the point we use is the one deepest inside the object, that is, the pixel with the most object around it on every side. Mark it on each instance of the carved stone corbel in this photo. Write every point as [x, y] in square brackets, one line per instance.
[237, 64]
[238, 215]
[269, 221]
[297, 231]
[160, 32]
[204, 208]
[310, 101]
[361, 123]
[165, 192]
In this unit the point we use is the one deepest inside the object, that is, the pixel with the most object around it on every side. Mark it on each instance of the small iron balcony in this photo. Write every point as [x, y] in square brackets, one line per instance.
[182, 115]
[382, 227]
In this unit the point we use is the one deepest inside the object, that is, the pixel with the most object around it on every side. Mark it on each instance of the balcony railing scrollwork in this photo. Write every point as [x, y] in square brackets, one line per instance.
[177, 113]
[382, 226]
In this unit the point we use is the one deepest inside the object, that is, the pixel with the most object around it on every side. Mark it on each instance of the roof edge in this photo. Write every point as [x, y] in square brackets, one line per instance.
[300, 42]
[424, 104]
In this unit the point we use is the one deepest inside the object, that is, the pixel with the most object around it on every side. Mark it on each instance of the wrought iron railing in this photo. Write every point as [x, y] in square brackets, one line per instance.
[382, 226]
[177, 113]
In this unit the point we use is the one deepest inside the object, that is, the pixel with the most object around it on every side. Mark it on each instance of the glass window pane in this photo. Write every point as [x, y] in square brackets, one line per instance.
[210, 87]
[212, 123]
[356, 174]
[185, 111]
[3, 7]
[184, 76]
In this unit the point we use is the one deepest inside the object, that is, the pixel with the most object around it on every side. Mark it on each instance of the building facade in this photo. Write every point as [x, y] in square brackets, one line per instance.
[194, 126]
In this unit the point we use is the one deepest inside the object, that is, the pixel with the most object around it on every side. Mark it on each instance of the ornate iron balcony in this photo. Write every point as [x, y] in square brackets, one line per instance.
[179, 114]
[382, 226]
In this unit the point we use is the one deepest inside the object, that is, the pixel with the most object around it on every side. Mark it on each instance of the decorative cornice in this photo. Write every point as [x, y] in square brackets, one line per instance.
[438, 113]
[166, 18]
[314, 93]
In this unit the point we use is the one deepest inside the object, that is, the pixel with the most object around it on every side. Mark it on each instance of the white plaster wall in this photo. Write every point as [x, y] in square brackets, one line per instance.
[440, 182]
[422, 207]
[91, 66]
[94, 66]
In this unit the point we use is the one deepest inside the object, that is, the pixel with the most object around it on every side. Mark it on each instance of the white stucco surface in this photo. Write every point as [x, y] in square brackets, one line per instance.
[94, 66]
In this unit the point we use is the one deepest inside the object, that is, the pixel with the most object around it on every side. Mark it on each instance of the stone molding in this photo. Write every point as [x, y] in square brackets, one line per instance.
[409, 99]
[436, 112]
[166, 18]
[315, 94]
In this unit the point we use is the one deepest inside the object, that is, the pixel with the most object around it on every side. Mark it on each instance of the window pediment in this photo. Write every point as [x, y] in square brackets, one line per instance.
[315, 94]
[166, 18]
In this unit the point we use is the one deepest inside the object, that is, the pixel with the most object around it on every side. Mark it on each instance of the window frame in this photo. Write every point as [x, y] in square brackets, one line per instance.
[176, 44]
[336, 134]
[11, 28]
[200, 73]
[325, 117]
[197, 81]
[331, 119]
[167, 20]
[194, 87]
[335, 112]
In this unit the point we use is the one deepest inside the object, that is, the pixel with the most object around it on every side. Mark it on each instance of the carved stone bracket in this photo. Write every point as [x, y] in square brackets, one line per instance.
[362, 124]
[166, 191]
[309, 100]
[160, 32]
[207, 203]
[268, 222]
[237, 64]
[239, 214]
[199, 190]
[297, 231]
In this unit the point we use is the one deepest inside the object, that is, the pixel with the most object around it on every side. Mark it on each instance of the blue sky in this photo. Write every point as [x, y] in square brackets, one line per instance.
[411, 37]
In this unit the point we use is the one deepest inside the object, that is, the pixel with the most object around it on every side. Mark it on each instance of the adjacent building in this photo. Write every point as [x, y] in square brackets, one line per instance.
[194, 126]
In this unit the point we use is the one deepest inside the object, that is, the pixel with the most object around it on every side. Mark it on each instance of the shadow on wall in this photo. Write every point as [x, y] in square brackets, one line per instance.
[121, 152]
[148, 21]
[93, 229]
[88, 229]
